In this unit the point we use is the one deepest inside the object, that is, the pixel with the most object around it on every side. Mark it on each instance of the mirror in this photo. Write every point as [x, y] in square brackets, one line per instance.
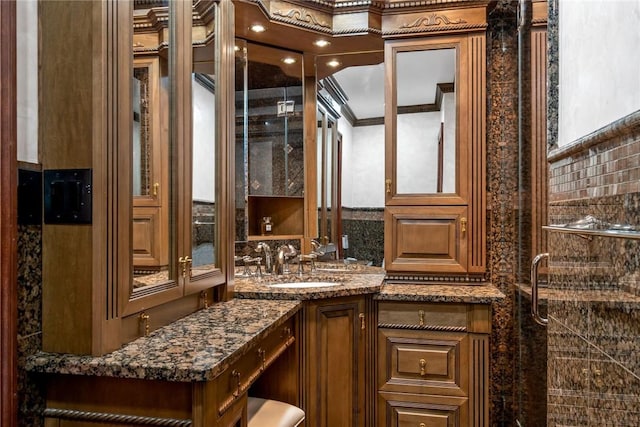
[151, 157]
[350, 170]
[174, 150]
[426, 121]
[269, 143]
[203, 155]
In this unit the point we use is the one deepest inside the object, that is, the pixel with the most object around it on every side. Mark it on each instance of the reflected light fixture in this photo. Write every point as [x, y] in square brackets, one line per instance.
[257, 28]
[322, 43]
[289, 60]
[333, 63]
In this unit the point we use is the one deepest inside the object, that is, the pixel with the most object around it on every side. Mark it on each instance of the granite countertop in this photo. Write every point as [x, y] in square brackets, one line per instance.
[474, 294]
[348, 284]
[358, 283]
[197, 347]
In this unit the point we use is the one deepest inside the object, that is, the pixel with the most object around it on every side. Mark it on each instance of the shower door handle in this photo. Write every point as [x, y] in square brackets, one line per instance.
[534, 290]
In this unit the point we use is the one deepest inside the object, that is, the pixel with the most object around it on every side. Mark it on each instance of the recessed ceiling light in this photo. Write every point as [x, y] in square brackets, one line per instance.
[289, 60]
[333, 63]
[322, 43]
[257, 28]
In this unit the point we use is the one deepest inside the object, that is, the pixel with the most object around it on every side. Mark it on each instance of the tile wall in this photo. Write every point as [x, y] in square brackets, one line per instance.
[594, 300]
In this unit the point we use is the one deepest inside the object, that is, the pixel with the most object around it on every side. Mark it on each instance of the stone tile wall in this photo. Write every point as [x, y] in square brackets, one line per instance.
[594, 319]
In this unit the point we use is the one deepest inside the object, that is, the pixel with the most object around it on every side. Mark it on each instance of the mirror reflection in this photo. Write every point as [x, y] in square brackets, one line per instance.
[158, 192]
[269, 143]
[350, 178]
[426, 118]
[150, 154]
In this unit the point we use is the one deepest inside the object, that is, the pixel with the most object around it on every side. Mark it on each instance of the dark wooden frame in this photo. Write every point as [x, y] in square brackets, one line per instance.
[8, 216]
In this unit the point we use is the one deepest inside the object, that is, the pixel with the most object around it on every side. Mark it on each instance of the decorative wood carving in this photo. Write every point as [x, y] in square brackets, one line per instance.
[433, 19]
[302, 15]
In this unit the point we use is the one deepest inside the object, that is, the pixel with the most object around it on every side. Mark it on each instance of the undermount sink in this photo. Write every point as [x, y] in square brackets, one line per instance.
[301, 285]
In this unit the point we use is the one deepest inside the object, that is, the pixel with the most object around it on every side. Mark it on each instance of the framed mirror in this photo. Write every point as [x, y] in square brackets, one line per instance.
[173, 147]
[423, 133]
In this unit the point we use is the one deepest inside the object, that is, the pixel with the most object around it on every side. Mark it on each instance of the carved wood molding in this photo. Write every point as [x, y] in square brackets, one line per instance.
[437, 328]
[302, 16]
[89, 416]
[433, 19]
[430, 278]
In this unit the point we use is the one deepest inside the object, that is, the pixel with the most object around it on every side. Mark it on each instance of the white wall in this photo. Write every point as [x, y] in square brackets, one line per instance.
[599, 64]
[27, 79]
[203, 144]
[367, 167]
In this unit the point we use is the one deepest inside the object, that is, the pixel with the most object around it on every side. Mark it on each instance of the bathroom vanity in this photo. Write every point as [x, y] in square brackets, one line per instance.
[194, 372]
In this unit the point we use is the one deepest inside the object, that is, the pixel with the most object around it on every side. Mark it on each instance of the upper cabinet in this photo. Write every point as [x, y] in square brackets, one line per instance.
[435, 131]
[153, 113]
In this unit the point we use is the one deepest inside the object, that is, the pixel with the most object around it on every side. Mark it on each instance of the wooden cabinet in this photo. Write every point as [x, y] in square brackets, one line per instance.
[143, 218]
[433, 364]
[335, 359]
[435, 183]
[79, 400]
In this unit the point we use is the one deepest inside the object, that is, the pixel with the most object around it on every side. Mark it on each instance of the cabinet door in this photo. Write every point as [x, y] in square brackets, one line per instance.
[335, 361]
[426, 239]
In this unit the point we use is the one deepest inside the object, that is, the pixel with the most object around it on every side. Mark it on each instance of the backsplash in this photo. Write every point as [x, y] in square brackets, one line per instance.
[594, 303]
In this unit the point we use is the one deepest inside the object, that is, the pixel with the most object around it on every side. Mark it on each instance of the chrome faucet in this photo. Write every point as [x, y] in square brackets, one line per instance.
[281, 261]
[263, 248]
[311, 258]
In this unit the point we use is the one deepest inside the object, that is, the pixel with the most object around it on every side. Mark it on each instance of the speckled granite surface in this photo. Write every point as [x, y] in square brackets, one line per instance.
[484, 294]
[347, 284]
[196, 348]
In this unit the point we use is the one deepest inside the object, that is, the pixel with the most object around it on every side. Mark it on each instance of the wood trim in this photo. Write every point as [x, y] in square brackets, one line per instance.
[8, 216]
[479, 380]
[478, 134]
[225, 108]
[310, 162]
[539, 166]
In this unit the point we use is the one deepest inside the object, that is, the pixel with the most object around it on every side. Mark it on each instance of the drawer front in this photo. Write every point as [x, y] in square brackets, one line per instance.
[236, 380]
[427, 316]
[403, 410]
[423, 362]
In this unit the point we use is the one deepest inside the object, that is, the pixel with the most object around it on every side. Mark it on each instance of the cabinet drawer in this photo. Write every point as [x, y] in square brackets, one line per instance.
[407, 410]
[428, 316]
[423, 362]
[238, 377]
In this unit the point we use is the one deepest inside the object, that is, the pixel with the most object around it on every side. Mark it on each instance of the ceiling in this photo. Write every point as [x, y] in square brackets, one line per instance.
[418, 74]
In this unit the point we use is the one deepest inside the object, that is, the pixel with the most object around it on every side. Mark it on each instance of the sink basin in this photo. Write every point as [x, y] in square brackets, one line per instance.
[302, 285]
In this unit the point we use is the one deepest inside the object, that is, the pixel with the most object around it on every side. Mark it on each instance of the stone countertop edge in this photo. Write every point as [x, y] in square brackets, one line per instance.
[469, 294]
[197, 347]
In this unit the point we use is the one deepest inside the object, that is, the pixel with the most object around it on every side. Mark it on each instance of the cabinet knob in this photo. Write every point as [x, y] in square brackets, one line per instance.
[421, 317]
[362, 322]
[262, 355]
[156, 186]
[463, 225]
[183, 261]
[423, 367]
[388, 185]
[144, 319]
